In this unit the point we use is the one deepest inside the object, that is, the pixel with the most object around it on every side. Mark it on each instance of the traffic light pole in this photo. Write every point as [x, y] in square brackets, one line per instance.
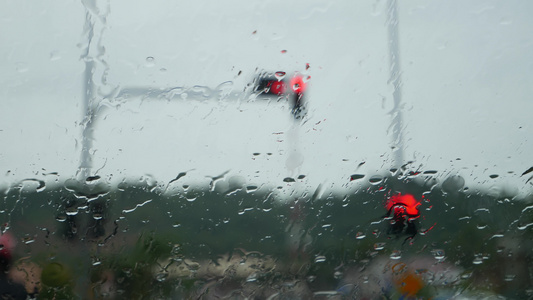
[395, 79]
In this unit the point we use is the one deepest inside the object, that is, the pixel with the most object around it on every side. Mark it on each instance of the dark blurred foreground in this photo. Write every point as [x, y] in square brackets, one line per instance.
[141, 241]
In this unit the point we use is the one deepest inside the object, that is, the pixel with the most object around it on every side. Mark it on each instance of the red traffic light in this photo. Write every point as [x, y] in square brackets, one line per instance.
[298, 84]
[403, 204]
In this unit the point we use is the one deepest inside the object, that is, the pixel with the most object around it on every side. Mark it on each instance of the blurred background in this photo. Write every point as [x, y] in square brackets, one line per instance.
[127, 114]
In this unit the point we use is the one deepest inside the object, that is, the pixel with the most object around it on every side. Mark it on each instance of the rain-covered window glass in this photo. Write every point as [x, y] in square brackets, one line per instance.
[236, 149]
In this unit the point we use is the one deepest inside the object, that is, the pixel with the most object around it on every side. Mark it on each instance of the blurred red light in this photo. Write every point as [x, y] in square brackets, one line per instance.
[406, 204]
[277, 87]
[298, 84]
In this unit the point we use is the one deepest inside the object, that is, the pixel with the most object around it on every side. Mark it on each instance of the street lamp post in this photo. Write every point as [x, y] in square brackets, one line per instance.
[395, 79]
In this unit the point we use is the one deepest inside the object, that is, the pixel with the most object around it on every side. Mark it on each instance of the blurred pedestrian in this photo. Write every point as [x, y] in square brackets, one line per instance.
[8, 288]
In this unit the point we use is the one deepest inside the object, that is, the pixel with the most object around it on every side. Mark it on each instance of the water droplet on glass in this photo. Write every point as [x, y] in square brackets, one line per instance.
[413, 174]
[178, 257]
[360, 235]
[96, 261]
[127, 271]
[243, 211]
[337, 275]
[61, 218]
[379, 246]
[376, 179]
[497, 235]
[396, 254]
[176, 224]
[311, 278]
[280, 75]
[150, 61]
[509, 277]
[438, 254]
[28, 240]
[251, 188]
[289, 179]
[176, 249]
[478, 260]
[72, 211]
[252, 277]
[41, 187]
[92, 178]
[97, 216]
[522, 226]
[356, 177]
[320, 259]
[481, 226]
[493, 176]
[161, 277]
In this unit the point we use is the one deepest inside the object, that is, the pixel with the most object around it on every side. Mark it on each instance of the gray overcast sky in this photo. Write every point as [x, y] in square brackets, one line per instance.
[466, 73]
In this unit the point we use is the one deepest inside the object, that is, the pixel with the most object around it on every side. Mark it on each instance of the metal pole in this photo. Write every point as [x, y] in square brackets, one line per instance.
[396, 81]
[87, 134]
[85, 166]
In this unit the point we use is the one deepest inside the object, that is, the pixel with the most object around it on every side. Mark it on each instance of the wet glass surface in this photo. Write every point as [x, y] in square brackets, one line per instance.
[266, 150]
